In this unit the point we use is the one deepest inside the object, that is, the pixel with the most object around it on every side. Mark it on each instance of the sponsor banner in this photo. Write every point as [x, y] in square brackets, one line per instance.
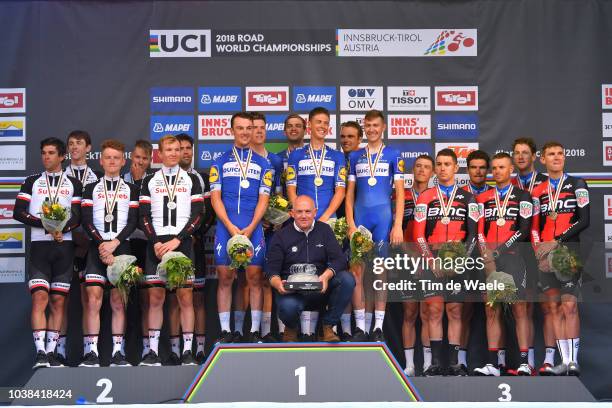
[410, 151]
[461, 179]
[156, 161]
[177, 99]
[606, 96]
[170, 125]
[456, 127]
[408, 98]
[409, 126]
[607, 207]
[461, 150]
[608, 236]
[208, 153]
[353, 117]
[608, 265]
[331, 133]
[179, 43]
[305, 98]
[361, 98]
[12, 241]
[456, 98]
[10, 184]
[214, 127]
[273, 43]
[436, 42]
[607, 153]
[6, 212]
[13, 157]
[275, 127]
[12, 129]
[267, 98]
[12, 270]
[606, 124]
[12, 100]
[220, 99]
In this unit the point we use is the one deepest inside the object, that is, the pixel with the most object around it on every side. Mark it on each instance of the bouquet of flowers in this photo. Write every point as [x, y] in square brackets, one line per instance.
[452, 250]
[340, 228]
[506, 295]
[564, 262]
[240, 250]
[361, 245]
[124, 274]
[175, 268]
[278, 210]
[53, 216]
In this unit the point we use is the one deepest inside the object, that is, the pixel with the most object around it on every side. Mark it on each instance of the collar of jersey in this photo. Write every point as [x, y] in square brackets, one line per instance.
[168, 171]
[503, 191]
[555, 182]
[59, 173]
[298, 229]
[79, 167]
[116, 178]
[478, 190]
[526, 177]
[446, 189]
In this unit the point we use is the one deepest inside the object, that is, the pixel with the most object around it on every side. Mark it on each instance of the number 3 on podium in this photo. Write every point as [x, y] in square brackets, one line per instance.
[505, 392]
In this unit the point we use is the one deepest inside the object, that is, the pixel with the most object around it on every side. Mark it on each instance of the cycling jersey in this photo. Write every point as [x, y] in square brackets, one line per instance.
[301, 173]
[410, 198]
[83, 173]
[525, 182]
[138, 233]
[276, 164]
[476, 191]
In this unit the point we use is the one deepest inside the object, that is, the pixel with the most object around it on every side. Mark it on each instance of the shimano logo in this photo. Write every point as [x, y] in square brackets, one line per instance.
[172, 99]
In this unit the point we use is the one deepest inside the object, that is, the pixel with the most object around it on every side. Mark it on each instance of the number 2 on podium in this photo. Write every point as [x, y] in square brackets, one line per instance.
[300, 372]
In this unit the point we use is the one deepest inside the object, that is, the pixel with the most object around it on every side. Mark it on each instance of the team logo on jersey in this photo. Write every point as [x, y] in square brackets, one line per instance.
[290, 173]
[536, 205]
[481, 210]
[473, 211]
[400, 165]
[342, 173]
[268, 178]
[526, 209]
[420, 212]
[582, 197]
[214, 174]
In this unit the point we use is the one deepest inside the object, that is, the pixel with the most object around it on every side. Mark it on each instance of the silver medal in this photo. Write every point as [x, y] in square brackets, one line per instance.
[171, 205]
[109, 218]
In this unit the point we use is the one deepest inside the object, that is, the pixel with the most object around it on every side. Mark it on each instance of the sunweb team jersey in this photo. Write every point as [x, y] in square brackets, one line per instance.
[83, 173]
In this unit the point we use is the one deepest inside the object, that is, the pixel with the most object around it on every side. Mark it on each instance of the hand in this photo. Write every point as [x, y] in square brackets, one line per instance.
[397, 235]
[543, 265]
[58, 236]
[233, 230]
[157, 247]
[248, 231]
[277, 284]
[324, 218]
[544, 248]
[351, 230]
[266, 224]
[108, 248]
[324, 279]
[168, 247]
[107, 260]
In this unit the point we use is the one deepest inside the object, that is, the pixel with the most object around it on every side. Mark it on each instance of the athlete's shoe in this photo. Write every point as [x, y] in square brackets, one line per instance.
[225, 337]
[151, 360]
[377, 336]
[269, 338]
[488, 370]
[173, 359]
[41, 360]
[54, 361]
[307, 338]
[328, 335]
[200, 357]
[409, 371]
[511, 372]
[290, 335]
[457, 370]
[238, 338]
[187, 358]
[359, 336]
[62, 360]
[525, 370]
[90, 359]
[118, 360]
[433, 370]
[254, 337]
[573, 369]
[546, 370]
[560, 369]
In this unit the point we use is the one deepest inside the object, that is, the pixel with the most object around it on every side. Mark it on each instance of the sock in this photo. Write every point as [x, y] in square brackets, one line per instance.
[39, 339]
[426, 357]
[255, 320]
[239, 321]
[574, 345]
[52, 337]
[531, 357]
[453, 354]
[266, 322]
[61, 345]
[549, 356]
[360, 319]
[90, 343]
[368, 322]
[501, 357]
[493, 359]
[345, 321]
[187, 341]
[524, 356]
[462, 356]
[154, 340]
[314, 319]
[200, 340]
[409, 354]
[379, 318]
[145, 346]
[305, 322]
[118, 344]
[281, 326]
[334, 328]
[436, 351]
[224, 319]
[175, 345]
[563, 345]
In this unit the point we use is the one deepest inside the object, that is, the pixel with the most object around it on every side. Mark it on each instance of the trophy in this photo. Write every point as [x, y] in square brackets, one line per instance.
[303, 277]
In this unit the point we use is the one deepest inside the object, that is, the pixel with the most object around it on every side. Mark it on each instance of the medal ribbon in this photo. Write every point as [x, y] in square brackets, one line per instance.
[171, 193]
[553, 198]
[53, 198]
[445, 207]
[369, 156]
[531, 182]
[111, 207]
[317, 168]
[501, 209]
[82, 178]
[243, 170]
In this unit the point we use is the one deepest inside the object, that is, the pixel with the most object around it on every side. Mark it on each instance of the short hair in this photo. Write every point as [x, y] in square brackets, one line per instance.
[54, 141]
[526, 141]
[449, 153]
[374, 114]
[184, 137]
[144, 145]
[258, 116]
[502, 155]
[242, 115]
[165, 140]
[478, 155]
[425, 157]
[112, 144]
[318, 110]
[295, 116]
[355, 125]
[79, 135]
[551, 144]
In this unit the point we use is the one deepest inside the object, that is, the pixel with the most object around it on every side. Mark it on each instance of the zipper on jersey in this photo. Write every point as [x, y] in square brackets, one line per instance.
[239, 191]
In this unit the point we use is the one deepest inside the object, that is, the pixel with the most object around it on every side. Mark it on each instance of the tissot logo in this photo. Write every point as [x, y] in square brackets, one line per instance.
[414, 98]
[179, 43]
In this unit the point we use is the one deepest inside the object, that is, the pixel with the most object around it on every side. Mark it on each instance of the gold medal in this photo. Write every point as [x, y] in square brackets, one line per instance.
[245, 184]
[553, 215]
[446, 207]
[445, 220]
[372, 181]
[318, 167]
[501, 206]
[500, 222]
[318, 181]
[554, 198]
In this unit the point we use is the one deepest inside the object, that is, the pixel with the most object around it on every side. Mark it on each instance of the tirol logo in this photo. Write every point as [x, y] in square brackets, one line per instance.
[180, 99]
[179, 43]
[6, 212]
[408, 98]
[267, 98]
[12, 100]
[606, 96]
[12, 129]
[306, 98]
[220, 99]
[12, 241]
[456, 98]
[214, 127]
[607, 153]
[170, 125]
[456, 127]
[361, 98]
[409, 126]
[208, 153]
[275, 127]
[461, 150]
[450, 41]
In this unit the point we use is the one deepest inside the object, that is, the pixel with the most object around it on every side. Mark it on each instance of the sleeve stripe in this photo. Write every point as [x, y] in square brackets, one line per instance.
[195, 200]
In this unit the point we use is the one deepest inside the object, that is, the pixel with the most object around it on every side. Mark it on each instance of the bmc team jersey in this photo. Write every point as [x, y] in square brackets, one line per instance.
[43, 187]
[527, 182]
[240, 198]
[476, 191]
[102, 225]
[410, 199]
[372, 207]
[301, 173]
[83, 173]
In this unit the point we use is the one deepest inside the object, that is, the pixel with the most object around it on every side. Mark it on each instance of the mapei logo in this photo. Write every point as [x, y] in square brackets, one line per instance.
[12, 100]
[179, 43]
[456, 127]
[170, 125]
[461, 150]
[12, 129]
[606, 96]
[275, 128]
[408, 98]
[180, 99]
[456, 98]
[6, 212]
[306, 98]
[12, 241]
[220, 99]
[453, 42]
[267, 98]
[208, 153]
[361, 98]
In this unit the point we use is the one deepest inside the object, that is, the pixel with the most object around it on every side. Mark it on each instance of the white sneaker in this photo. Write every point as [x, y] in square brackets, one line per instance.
[489, 370]
[409, 371]
[525, 369]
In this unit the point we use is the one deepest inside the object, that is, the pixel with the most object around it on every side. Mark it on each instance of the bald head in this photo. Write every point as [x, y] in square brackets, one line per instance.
[303, 212]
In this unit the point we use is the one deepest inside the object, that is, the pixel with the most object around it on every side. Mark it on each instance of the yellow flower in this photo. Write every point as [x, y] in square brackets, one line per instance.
[282, 202]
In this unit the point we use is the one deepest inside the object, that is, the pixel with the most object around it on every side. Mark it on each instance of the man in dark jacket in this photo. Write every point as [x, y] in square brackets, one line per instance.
[306, 241]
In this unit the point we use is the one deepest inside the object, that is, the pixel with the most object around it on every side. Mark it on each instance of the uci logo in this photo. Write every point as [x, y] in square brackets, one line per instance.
[179, 43]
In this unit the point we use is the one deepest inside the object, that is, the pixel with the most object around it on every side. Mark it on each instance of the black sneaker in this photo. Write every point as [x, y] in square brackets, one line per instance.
[238, 338]
[255, 337]
[62, 360]
[54, 361]
[173, 359]
[433, 371]
[90, 359]
[457, 370]
[270, 338]
[359, 336]
[225, 337]
[151, 360]
[119, 360]
[346, 337]
[187, 358]
[200, 357]
[41, 360]
[308, 338]
[377, 336]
